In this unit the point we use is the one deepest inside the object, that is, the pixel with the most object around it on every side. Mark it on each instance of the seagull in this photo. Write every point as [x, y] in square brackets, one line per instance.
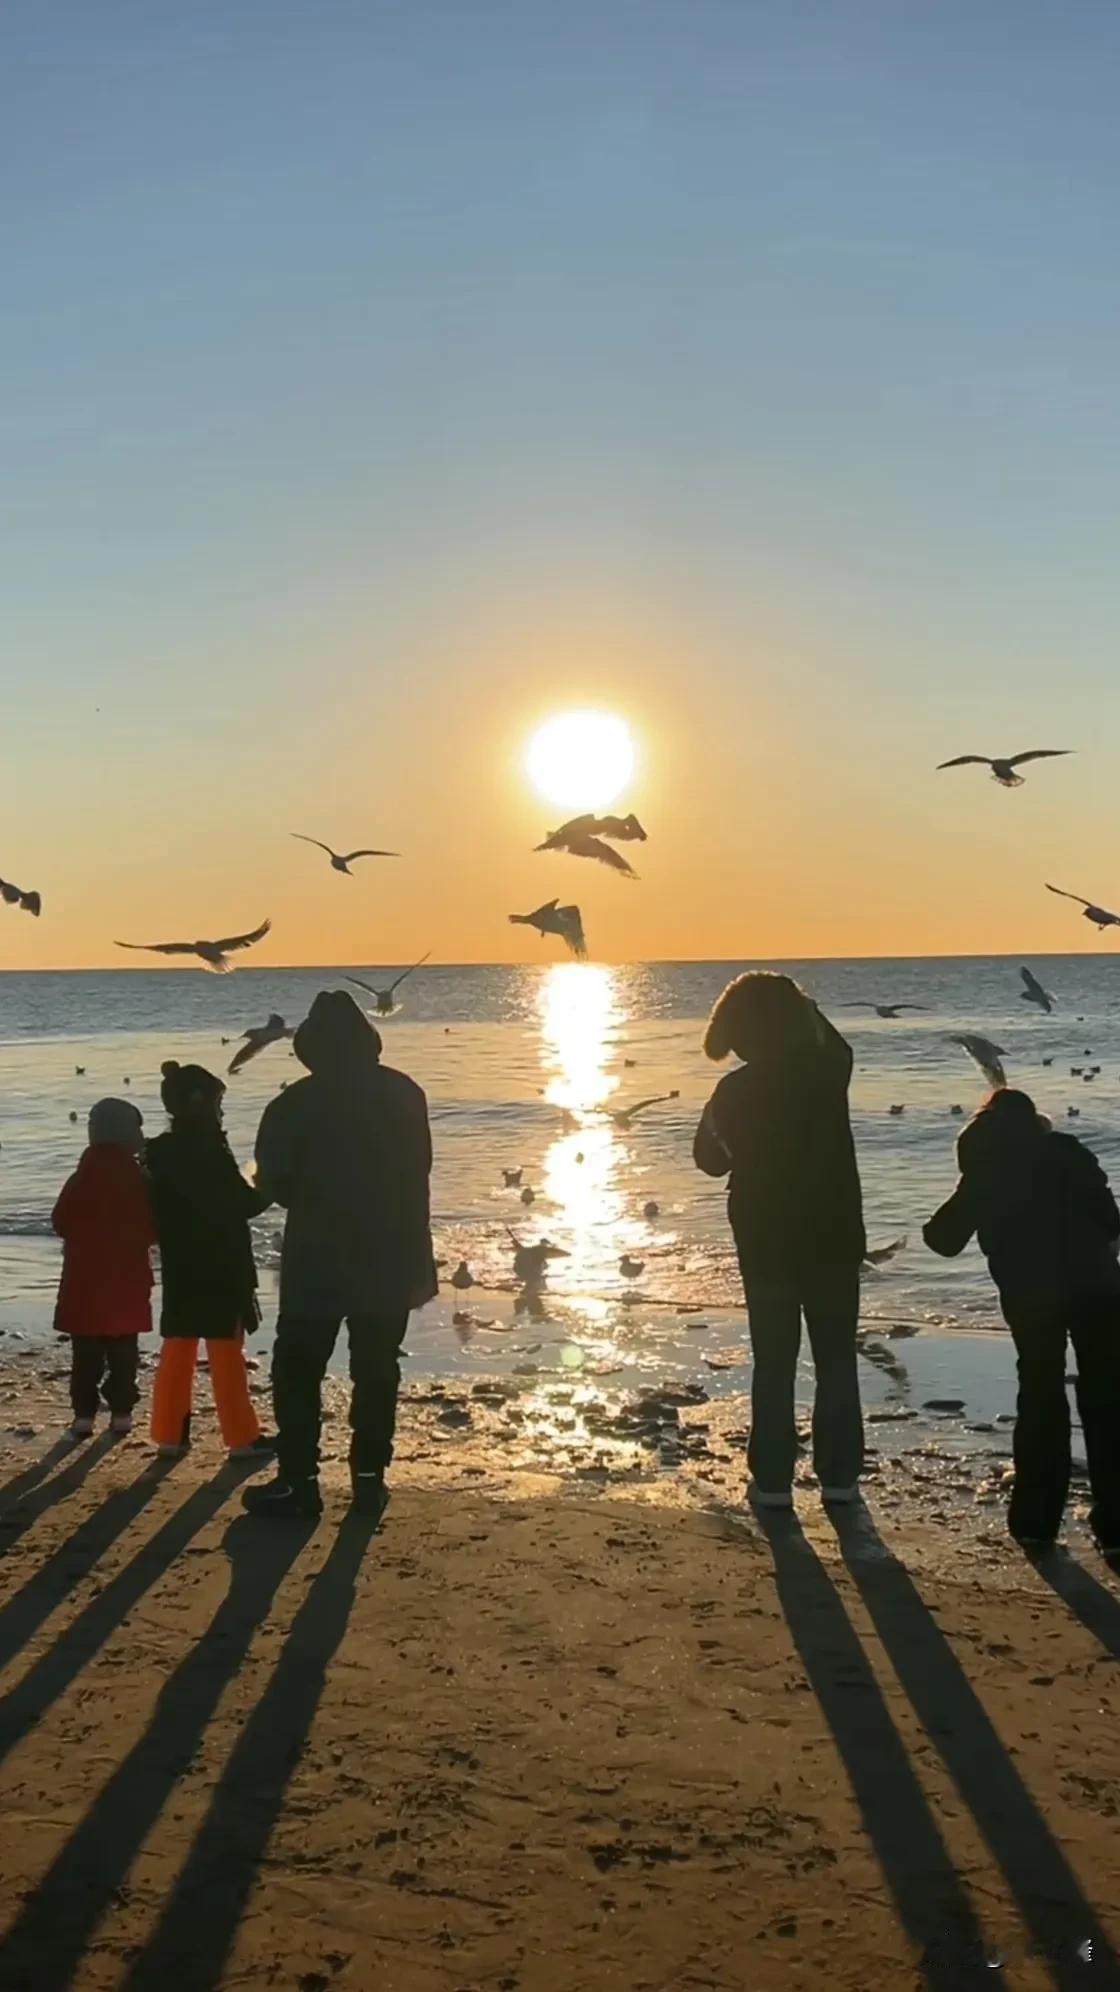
[1003, 771]
[528, 1196]
[883, 1009]
[552, 918]
[530, 1262]
[987, 1056]
[956, 1110]
[1048, 1061]
[1097, 914]
[584, 837]
[340, 863]
[1073, 1113]
[386, 1006]
[897, 1112]
[212, 953]
[258, 1038]
[880, 1255]
[650, 1211]
[462, 1279]
[1033, 992]
[512, 1178]
[14, 895]
[80, 1071]
[631, 1269]
[622, 1116]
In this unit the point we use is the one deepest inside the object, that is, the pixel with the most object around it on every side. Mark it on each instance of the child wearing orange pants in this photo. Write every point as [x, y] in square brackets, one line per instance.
[202, 1209]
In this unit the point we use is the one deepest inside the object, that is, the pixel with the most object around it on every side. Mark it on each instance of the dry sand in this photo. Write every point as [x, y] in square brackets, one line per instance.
[542, 1733]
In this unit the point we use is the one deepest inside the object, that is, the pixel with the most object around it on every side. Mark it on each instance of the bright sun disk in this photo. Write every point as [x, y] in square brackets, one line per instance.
[581, 760]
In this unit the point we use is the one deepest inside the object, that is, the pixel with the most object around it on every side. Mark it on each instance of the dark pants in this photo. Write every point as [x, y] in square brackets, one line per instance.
[829, 1300]
[299, 1361]
[103, 1368]
[1042, 1453]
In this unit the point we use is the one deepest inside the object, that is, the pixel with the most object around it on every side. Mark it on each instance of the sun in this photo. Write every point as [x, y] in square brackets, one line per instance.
[581, 760]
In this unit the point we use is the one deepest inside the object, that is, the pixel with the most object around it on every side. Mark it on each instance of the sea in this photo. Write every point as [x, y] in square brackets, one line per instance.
[526, 1069]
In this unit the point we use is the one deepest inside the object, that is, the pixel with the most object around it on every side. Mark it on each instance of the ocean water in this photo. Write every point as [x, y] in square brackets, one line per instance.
[524, 1068]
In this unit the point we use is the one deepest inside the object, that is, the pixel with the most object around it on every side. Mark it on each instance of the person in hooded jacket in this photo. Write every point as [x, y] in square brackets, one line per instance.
[348, 1153]
[1048, 1225]
[104, 1218]
[779, 1127]
[203, 1205]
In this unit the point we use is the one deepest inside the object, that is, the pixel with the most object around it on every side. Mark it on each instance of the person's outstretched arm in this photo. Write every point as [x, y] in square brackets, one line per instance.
[950, 1228]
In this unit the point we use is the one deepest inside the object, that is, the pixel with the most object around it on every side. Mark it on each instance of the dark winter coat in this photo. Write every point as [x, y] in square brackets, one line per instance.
[104, 1218]
[782, 1132]
[203, 1205]
[348, 1152]
[1046, 1221]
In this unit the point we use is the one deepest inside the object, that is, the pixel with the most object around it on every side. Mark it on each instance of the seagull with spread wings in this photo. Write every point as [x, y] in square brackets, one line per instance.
[1033, 992]
[387, 1005]
[552, 918]
[584, 837]
[14, 895]
[211, 953]
[1099, 916]
[884, 1009]
[258, 1038]
[988, 1056]
[624, 1116]
[1003, 770]
[340, 862]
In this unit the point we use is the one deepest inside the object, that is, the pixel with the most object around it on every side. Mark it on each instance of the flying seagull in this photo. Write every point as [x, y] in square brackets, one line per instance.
[258, 1038]
[1033, 992]
[583, 838]
[882, 1254]
[530, 1262]
[883, 1009]
[14, 895]
[622, 1116]
[212, 953]
[988, 1056]
[553, 918]
[1003, 771]
[340, 863]
[1097, 914]
[386, 1003]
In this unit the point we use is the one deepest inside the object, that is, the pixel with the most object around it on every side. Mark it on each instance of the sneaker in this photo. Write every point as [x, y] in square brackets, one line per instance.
[262, 1448]
[282, 1501]
[769, 1497]
[121, 1424]
[841, 1494]
[370, 1494]
[82, 1428]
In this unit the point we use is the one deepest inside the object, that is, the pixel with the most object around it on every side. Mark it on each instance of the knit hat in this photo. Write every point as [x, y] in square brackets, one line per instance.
[336, 1034]
[115, 1124]
[187, 1086]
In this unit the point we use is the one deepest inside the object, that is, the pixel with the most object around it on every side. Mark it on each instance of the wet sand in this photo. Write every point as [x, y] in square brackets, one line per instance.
[571, 1719]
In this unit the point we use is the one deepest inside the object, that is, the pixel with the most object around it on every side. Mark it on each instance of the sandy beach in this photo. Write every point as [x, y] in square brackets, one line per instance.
[547, 1730]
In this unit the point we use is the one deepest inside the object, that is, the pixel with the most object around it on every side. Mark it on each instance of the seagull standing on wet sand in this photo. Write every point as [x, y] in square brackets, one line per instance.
[1003, 770]
[1033, 992]
[387, 1006]
[339, 862]
[1099, 915]
[211, 953]
[257, 1038]
[552, 918]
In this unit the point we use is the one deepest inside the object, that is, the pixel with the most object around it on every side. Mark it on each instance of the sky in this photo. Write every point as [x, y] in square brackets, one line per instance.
[381, 379]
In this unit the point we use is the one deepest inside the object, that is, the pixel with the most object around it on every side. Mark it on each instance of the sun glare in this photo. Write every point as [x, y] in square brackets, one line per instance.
[581, 760]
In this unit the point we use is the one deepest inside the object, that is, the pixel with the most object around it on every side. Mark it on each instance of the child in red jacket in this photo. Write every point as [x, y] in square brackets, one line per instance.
[104, 1219]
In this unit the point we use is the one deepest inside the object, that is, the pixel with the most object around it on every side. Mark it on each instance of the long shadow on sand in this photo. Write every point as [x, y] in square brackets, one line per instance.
[22, 1614]
[196, 1932]
[46, 1942]
[1055, 1912]
[31, 1493]
[1088, 1599]
[932, 1902]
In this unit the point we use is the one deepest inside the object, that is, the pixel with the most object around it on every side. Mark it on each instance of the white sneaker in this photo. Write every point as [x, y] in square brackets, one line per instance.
[763, 1497]
[82, 1428]
[121, 1425]
[841, 1494]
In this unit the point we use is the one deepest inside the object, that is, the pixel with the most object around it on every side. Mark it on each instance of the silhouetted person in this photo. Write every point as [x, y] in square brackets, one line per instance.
[1048, 1226]
[348, 1152]
[104, 1218]
[779, 1126]
[203, 1205]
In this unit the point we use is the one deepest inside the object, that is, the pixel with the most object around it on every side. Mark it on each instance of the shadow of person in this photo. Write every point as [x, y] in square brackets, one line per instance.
[931, 1900]
[21, 1483]
[1058, 1917]
[198, 1927]
[46, 1942]
[25, 1611]
[31, 1494]
[1088, 1599]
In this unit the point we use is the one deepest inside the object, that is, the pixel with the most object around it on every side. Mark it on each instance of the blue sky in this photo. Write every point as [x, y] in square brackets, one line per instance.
[379, 378]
